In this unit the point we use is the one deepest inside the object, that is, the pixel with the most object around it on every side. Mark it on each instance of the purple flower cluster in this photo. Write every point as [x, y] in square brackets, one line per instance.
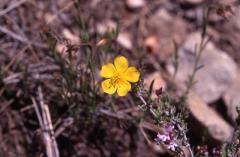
[167, 138]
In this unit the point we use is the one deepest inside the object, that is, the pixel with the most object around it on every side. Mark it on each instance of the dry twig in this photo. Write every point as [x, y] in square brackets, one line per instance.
[20, 38]
[11, 7]
[45, 121]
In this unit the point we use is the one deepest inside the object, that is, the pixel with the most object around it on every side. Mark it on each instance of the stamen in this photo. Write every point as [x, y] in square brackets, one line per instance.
[114, 81]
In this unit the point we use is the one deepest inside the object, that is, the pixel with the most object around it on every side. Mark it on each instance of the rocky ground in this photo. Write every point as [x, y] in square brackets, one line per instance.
[150, 31]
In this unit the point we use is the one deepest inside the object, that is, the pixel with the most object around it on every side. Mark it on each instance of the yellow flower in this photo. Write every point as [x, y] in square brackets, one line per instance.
[119, 76]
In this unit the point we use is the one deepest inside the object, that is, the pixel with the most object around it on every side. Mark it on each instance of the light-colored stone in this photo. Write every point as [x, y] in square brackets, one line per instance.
[228, 34]
[218, 128]
[232, 98]
[106, 26]
[236, 19]
[214, 78]
[124, 39]
[94, 3]
[135, 4]
[167, 29]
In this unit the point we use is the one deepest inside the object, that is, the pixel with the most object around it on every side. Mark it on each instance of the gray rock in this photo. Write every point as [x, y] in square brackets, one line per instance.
[217, 127]
[227, 34]
[167, 29]
[217, 75]
[232, 98]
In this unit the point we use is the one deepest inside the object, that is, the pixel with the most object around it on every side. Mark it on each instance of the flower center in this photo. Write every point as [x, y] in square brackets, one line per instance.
[115, 80]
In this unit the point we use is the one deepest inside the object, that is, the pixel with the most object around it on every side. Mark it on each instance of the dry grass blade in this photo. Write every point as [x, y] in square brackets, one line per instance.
[66, 123]
[20, 38]
[11, 7]
[45, 121]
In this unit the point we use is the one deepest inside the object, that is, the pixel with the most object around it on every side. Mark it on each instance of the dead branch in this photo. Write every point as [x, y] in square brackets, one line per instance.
[45, 122]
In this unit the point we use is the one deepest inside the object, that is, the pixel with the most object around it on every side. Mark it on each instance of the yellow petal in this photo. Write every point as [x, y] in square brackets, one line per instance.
[131, 75]
[123, 88]
[108, 70]
[121, 64]
[108, 87]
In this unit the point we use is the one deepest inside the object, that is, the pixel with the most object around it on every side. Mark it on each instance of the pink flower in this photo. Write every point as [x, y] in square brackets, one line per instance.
[172, 146]
[163, 137]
